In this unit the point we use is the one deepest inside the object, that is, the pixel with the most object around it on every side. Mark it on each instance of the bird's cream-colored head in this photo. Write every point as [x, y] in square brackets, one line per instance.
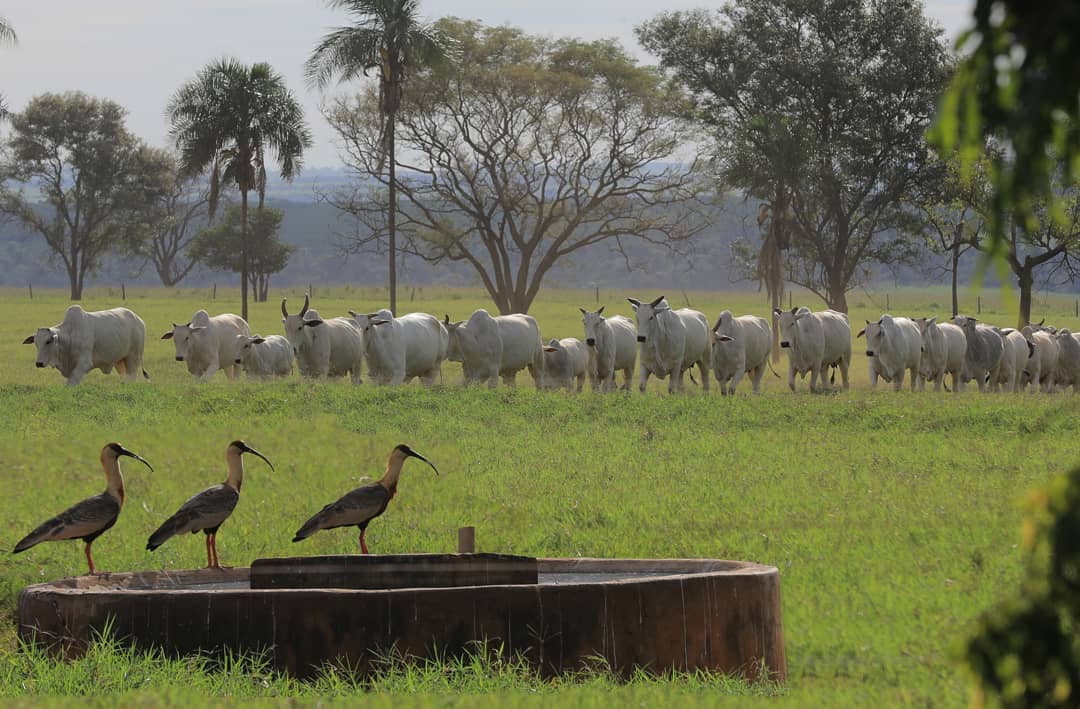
[397, 459]
[110, 462]
[234, 459]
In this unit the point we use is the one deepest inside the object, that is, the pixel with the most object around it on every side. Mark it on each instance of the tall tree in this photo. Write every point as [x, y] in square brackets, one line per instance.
[390, 37]
[76, 176]
[226, 121]
[172, 229]
[821, 104]
[7, 36]
[543, 148]
[218, 247]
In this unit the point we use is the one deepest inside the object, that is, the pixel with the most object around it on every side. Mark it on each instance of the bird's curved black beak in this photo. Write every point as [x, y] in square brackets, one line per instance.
[136, 456]
[248, 449]
[414, 454]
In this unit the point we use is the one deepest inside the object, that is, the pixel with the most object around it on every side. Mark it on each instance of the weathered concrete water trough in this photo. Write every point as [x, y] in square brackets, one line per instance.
[560, 614]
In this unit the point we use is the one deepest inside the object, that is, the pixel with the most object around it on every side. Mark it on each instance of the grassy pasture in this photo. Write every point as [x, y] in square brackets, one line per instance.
[892, 517]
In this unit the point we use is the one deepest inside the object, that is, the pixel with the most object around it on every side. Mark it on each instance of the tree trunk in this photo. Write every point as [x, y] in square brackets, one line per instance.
[392, 217]
[75, 282]
[777, 303]
[243, 254]
[1026, 280]
[955, 267]
[837, 298]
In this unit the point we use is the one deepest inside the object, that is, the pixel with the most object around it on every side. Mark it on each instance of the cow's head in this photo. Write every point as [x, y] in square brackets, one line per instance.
[874, 332]
[365, 322]
[592, 322]
[47, 340]
[185, 337]
[300, 328]
[965, 323]
[645, 315]
[455, 330]
[927, 328]
[722, 330]
[245, 345]
[789, 320]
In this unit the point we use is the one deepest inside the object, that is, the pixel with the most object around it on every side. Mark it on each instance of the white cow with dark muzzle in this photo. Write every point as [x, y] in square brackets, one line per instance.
[740, 346]
[672, 342]
[399, 349]
[815, 342]
[612, 346]
[324, 348]
[893, 345]
[206, 344]
[103, 339]
[264, 357]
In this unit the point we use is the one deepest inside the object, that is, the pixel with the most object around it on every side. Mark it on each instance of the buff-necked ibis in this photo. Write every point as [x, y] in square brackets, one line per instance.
[359, 507]
[89, 519]
[206, 511]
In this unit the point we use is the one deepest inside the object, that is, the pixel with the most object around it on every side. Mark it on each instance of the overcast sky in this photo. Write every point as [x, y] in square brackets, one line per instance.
[137, 52]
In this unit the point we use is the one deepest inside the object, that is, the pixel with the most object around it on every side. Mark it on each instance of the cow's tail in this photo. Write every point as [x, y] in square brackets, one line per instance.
[691, 373]
[768, 362]
[146, 376]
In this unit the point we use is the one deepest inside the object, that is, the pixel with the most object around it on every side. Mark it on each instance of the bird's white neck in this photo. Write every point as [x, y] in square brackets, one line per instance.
[235, 460]
[114, 481]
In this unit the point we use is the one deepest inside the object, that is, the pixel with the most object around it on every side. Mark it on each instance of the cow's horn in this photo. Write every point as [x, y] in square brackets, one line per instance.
[284, 310]
[307, 301]
[656, 302]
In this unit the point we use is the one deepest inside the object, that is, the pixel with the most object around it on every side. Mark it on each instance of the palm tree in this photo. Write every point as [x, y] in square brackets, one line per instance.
[7, 36]
[226, 120]
[388, 35]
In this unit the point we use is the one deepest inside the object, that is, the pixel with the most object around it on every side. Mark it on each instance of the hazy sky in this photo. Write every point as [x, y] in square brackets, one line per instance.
[137, 52]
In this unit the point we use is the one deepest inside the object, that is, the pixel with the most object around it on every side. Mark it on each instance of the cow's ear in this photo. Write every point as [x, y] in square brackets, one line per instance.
[29, 340]
[551, 349]
[600, 311]
[312, 323]
[861, 333]
[168, 335]
[725, 338]
[258, 340]
[634, 303]
[379, 322]
[777, 312]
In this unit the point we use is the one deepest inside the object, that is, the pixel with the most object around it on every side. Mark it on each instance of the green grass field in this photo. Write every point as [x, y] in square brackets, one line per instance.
[892, 517]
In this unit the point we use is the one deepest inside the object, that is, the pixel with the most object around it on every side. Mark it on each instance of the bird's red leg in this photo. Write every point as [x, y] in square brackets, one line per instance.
[209, 555]
[363, 545]
[213, 546]
[90, 560]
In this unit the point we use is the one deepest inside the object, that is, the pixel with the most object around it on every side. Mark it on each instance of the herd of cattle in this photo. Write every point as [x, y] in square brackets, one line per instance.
[668, 343]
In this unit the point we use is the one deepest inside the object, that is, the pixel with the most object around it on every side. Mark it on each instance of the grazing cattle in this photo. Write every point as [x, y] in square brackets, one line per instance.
[207, 344]
[612, 346]
[1067, 373]
[1040, 367]
[398, 349]
[103, 339]
[324, 348]
[490, 347]
[815, 342]
[672, 342]
[740, 346]
[893, 345]
[564, 361]
[943, 348]
[264, 357]
[1018, 350]
[982, 357]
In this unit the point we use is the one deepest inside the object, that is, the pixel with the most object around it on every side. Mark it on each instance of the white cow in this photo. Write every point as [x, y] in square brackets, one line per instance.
[740, 346]
[399, 349]
[672, 342]
[1014, 359]
[264, 357]
[1067, 373]
[564, 361]
[893, 345]
[490, 347]
[612, 345]
[1040, 367]
[102, 339]
[815, 342]
[982, 357]
[324, 348]
[207, 344]
[943, 348]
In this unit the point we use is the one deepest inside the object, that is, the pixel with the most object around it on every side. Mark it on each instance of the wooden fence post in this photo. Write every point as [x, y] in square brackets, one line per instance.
[466, 540]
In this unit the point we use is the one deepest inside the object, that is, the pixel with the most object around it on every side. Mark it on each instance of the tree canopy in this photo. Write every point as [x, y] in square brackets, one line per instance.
[818, 109]
[537, 148]
[73, 152]
[218, 247]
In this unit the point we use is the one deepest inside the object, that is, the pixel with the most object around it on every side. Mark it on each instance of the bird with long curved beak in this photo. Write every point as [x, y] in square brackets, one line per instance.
[206, 511]
[359, 507]
[89, 519]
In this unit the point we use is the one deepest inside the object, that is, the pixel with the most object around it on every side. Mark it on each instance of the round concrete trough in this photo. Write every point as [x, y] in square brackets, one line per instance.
[658, 615]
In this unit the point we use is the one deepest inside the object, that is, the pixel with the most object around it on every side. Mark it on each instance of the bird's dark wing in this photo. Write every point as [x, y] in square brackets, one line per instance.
[85, 519]
[205, 510]
[359, 506]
